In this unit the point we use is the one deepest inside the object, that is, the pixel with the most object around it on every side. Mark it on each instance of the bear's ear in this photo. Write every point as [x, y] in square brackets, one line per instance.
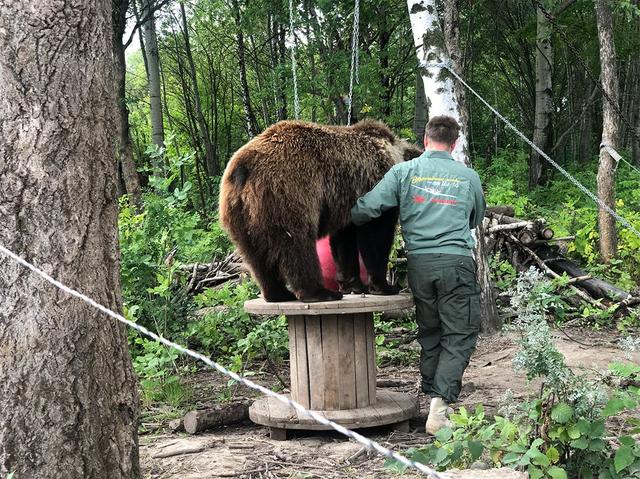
[410, 150]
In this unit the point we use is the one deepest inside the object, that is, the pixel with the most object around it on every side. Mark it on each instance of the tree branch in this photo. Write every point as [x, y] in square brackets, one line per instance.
[144, 19]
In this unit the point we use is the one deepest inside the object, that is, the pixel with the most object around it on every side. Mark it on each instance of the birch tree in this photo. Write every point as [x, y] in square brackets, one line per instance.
[610, 130]
[542, 130]
[444, 98]
[69, 402]
[153, 65]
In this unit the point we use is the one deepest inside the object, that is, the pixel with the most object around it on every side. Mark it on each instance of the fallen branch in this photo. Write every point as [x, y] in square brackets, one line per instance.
[553, 274]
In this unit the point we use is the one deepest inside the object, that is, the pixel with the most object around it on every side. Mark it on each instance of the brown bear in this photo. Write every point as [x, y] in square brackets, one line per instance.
[296, 182]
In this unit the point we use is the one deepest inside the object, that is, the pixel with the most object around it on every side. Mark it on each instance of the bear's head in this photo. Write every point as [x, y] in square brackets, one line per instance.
[399, 149]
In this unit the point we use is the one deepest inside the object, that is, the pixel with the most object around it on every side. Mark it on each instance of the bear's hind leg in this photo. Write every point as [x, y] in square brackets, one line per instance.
[269, 279]
[375, 239]
[344, 247]
[300, 267]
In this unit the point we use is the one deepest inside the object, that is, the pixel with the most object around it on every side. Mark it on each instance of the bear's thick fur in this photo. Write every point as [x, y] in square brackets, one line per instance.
[297, 182]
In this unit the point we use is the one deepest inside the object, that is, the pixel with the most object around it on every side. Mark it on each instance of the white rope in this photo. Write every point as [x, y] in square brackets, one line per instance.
[355, 67]
[597, 200]
[296, 100]
[368, 443]
[617, 156]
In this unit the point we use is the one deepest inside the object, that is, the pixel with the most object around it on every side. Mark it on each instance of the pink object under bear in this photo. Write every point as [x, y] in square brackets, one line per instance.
[328, 266]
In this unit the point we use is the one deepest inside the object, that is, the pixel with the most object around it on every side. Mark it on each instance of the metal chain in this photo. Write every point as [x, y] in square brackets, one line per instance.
[368, 443]
[355, 68]
[296, 100]
[582, 188]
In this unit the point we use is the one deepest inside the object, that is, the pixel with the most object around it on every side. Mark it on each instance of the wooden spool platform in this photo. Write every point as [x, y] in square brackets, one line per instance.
[332, 365]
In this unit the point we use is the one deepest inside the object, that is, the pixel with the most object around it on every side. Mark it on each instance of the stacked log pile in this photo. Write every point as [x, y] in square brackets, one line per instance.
[526, 243]
[210, 275]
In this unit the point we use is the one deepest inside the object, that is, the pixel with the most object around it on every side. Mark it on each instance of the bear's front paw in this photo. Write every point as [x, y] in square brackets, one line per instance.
[384, 289]
[320, 295]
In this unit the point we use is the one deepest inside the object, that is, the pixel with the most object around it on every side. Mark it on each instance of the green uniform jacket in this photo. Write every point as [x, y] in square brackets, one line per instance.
[440, 203]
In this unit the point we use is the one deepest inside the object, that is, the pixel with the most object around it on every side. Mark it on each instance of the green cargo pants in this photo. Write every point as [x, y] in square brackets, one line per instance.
[447, 299]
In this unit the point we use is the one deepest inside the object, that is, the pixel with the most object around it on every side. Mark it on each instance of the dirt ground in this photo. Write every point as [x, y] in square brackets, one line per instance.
[246, 451]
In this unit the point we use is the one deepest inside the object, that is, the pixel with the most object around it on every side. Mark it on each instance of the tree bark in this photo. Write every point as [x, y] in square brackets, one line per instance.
[69, 407]
[129, 173]
[153, 63]
[250, 117]
[421, 112]
[542, 130]
[443, 98]
[610, 130]
[213, 168]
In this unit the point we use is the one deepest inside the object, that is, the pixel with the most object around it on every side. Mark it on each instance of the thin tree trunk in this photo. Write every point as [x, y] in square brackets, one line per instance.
[443, 98]
[127, 166]
[153, 63]
[421, 113]
[250, 117]
[610, 130]
[203, 128]
[542, 132]
[69, 402]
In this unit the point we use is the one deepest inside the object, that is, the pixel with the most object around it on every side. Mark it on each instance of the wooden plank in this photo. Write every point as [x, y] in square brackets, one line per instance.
[347, 371]
[316, 370]
[293, 360]
[371, 356]
[302, 390]
[329, 325]
[349, 304]
[360, 359]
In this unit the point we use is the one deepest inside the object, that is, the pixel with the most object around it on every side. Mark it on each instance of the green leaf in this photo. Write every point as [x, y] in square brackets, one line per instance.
[556, 472]
[444, 434]
[553, 455]
[395, 466]
[627, 441]
[539, 459]
[475, 449]
[573, 432]
[580, 443]
[510, 457]
[613, 407]
[441, 455]
[624, 458]
[597, 428]
[597, 445]
[535, 472]
[562, 413]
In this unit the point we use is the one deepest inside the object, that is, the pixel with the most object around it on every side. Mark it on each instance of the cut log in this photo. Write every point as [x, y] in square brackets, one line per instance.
[219, 415]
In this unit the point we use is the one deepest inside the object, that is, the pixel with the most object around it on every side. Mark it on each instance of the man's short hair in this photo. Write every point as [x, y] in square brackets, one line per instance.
[442, 129]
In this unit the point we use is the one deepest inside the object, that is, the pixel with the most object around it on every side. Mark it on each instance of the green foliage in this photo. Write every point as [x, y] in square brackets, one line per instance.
[232, 333]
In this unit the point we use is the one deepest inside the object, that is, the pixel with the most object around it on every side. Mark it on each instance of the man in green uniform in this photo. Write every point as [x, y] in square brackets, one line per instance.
[440, 202]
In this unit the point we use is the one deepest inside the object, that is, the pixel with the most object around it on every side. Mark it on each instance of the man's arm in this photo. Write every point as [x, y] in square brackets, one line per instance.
[479, 204]
[382, 197]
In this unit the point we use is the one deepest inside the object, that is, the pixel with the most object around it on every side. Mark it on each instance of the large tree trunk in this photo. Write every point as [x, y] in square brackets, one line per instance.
[69, 403]
[153, 64]
[213, 168]
[129, 173]
[443, 98]
[542, 132]
[250, 117]
[610, 130]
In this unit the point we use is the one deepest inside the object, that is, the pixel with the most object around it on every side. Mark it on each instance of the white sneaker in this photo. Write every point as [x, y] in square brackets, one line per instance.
[437, 418]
